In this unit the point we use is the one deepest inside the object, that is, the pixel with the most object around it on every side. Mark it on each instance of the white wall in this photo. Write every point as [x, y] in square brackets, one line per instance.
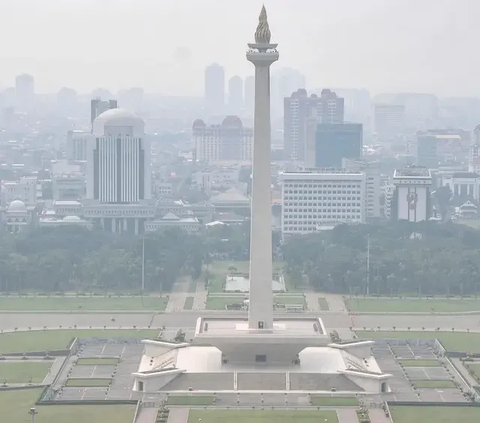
[412, 203]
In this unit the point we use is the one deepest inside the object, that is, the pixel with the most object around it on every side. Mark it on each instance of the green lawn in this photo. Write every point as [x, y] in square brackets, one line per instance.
[23, 371]
[50, 340]
[192, 288]
[289, 300]
[420, 363]
[262, 416]
[412, 305]
[402, 414]
[474, 369]
[452, 341]
[190, 400]
[322, 302]
[88, 383]
[188, 303]
[427, 383]
[82, 303]
[14, 406]
[97, 361]
[219, 303]
[334, 401]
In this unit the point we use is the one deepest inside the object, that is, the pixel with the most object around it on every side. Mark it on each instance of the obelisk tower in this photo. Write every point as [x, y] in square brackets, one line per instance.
[262, 54]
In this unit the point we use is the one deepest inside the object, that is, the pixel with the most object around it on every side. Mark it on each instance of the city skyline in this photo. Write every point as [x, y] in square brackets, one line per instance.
[355, 56]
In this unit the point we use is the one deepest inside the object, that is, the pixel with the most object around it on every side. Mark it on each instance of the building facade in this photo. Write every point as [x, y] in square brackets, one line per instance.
[321, 197]
[98, 106]
[25, 190]
[228, 142]
[389, 120]
[119, 189]
[411, 200]
[373, 185]
[302, 113]
[215, 88]
[77, 145]
[334, 142]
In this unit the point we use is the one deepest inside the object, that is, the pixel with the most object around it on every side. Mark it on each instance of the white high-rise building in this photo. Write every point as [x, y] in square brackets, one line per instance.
[119, 159]
[118, 173]
[315, 199]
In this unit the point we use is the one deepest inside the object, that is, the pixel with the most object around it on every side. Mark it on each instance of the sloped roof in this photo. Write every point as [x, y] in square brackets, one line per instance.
[231, 195]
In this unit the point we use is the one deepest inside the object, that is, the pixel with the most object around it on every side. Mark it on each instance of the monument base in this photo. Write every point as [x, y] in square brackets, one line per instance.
[278, 346]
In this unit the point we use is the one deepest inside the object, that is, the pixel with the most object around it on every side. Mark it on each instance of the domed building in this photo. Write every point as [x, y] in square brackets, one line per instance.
[227, 143]
[118, 173]
[17, 217]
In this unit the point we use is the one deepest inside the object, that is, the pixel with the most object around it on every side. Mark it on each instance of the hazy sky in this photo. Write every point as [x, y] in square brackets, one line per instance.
[164, 45]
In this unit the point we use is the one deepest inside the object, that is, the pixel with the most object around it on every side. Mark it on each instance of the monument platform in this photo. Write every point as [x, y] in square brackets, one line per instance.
[280, 345]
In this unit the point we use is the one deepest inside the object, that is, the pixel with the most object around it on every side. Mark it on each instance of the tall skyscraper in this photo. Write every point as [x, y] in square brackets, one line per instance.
[262, 54]
[335, 142]
[235, 94]
[302, 113]
[97, 107]
[249, 97]
[215, 88]
[25, 92]
[118, 159]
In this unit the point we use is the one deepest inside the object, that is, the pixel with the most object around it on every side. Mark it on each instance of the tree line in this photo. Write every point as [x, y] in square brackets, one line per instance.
[394, 258]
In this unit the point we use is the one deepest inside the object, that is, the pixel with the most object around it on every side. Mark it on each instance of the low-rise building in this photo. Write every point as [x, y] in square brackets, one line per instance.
[315, 198]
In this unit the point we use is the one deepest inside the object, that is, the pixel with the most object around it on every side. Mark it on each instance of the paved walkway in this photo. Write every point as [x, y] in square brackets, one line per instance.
[311, 299]
[464, 372]
[377, 415]
[147, 415]
[179, 294]
[335, 303]
[200, 299]
[52, 373]
[347, 415]
[178, 415]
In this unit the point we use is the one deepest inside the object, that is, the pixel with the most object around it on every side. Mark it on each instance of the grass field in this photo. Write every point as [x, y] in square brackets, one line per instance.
[100, 361]
[412, 305]
[322, 302]
[219, 303]
[190, 400]
[420, 363]
[474, 369]
[23, 371]
[427, 383]
[50, 340]
[14, 406]
[262, 416]
[334, 401]
[88, 383]
[82, 303]
[402, 414]
[289, 300]
[188, 303]
[452, 341]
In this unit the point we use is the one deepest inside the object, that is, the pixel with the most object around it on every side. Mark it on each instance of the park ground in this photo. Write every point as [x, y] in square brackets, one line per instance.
[14, 406]
[427, 414]
[262, 416]
[23, 371]
[412, 305]
[50, 340]
[452, 341]
[82, 303]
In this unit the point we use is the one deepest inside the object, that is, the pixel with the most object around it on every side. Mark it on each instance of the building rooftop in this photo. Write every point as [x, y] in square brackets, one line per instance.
[412, 172]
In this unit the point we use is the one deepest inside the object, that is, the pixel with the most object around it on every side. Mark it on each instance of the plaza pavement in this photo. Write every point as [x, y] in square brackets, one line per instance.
[188, 319]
